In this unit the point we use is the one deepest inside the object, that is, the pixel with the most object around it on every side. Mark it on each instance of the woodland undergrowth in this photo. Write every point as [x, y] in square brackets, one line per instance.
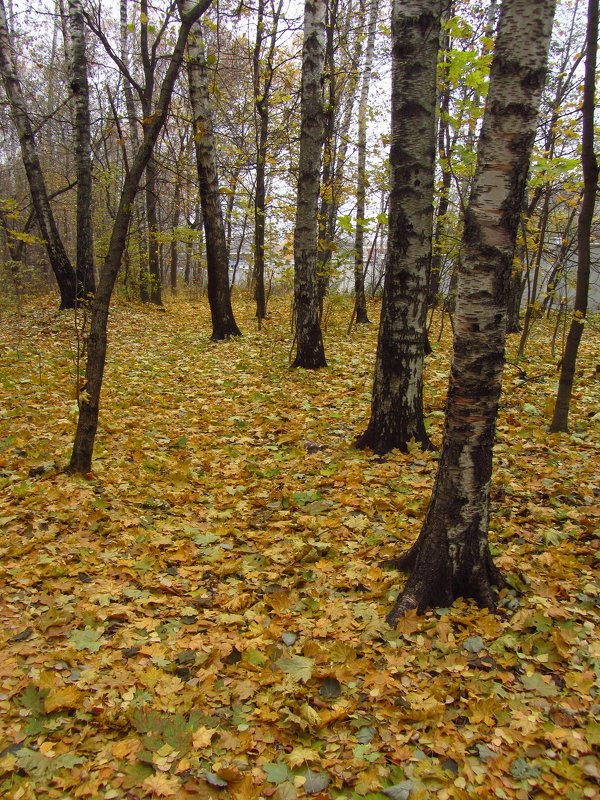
[203, 616]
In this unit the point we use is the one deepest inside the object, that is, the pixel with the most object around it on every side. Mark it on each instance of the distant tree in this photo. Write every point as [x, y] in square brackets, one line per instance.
[310, 352]
[360, 301]
[83, 148]
[152, 285]
[263, 71]
[397, 401]
[217, 257]
[589, 165]
[343, 48]
[451, 558]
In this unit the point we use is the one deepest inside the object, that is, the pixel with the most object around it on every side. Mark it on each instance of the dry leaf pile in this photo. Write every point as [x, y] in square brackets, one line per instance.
[203, 616]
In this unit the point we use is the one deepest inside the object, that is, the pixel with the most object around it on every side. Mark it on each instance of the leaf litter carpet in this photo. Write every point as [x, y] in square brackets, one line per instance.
[203, 615]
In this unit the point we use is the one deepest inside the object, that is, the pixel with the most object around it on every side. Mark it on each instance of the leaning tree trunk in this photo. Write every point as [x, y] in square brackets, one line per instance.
[360, 301]
[217, 258]
[451, 557]
[65, 275]
[89, 399]
[310, 352]
[397, 402]
[83, 149]
[589, 165]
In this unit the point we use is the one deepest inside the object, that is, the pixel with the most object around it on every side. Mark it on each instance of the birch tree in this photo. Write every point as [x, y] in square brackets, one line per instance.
[397, 401]
[451, 557]
[310, 352]
[217, 257]
[69, 287]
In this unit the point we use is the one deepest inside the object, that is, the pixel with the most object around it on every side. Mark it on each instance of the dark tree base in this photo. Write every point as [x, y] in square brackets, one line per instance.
[309, 363]
[363, 319]
[221, 334]
[432, 585]
[382, 443]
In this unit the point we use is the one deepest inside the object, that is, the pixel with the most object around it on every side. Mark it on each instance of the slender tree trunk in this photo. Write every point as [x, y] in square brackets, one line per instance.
[451, 557]
[515, 293]
[83, 150]
[217, 258]
[66, 278]
[154, 272]
[261, 109]
[560, 418]
[89, 400]
[141, 223]
[360, 301]
[337, 121]
[174, 241]
[443, 148]
[310, 352]
[397, 403]
[532, 308]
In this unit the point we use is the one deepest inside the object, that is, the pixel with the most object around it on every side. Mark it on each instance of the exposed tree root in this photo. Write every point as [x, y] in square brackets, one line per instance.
[433, 584]
[382, 443]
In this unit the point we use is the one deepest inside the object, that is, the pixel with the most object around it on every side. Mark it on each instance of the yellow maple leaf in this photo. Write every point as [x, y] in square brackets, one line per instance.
[301, 755]
[201, 738]
[65, 697]
[160, 785]
[126, 748]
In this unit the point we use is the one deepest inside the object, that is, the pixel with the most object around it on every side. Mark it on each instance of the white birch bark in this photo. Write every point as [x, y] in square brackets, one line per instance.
[310, 352]
[451, 557]
[397, 404]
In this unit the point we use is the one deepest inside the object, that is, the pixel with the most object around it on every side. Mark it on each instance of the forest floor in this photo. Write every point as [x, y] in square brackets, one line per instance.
[203, 616]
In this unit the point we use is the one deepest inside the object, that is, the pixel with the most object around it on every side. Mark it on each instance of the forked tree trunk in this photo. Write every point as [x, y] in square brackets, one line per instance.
[310, 352]
[589, 164]
[451, 558]
[397, 403]
[89, 400]
[83, 150]
[62, 268]
[360, 301]
[217, 258]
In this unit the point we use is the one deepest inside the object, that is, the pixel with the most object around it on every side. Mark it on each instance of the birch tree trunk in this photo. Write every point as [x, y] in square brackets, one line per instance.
[397, 403]
[89, 399]
[451, 557]
[560, 417]
[61, 266]
[360, 300]
[83, 149]
[217, 257]
[310, 352]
